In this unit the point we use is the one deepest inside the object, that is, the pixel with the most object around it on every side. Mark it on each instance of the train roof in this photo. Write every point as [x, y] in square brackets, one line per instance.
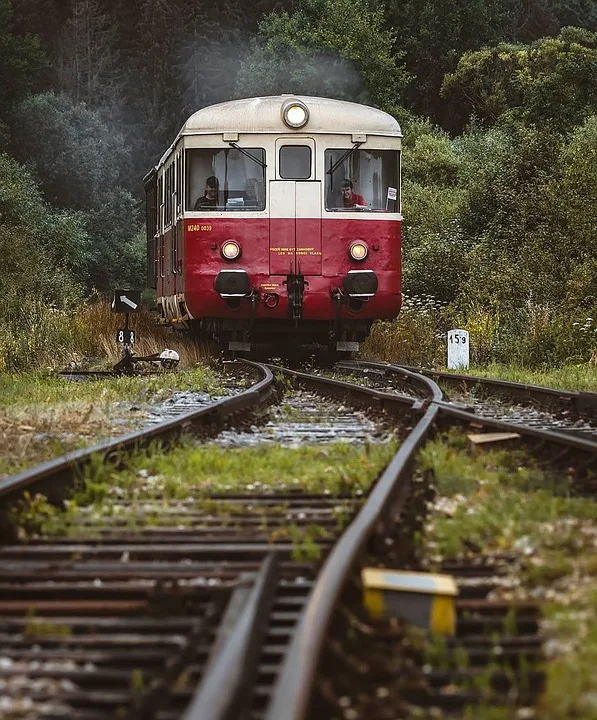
[264, 115]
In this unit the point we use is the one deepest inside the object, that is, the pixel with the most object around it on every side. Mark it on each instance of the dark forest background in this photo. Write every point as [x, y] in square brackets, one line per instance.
[497, 99]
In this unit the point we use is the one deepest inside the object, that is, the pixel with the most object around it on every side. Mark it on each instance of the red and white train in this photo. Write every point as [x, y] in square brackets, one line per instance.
[278, 218]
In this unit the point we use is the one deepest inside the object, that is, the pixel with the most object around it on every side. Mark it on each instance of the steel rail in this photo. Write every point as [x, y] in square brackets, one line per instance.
[468, 413]
[235, 663]
[54, 473]
[411, 374]
[293, 691]
[382, 400]
[582, 402]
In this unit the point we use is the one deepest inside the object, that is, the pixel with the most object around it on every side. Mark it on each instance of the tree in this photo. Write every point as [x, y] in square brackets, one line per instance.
[80, 163]
[21, 62]
[41, 248]
[576, 196]
[549, 81]
[87, 67]
[434, 34]
[333, 48]
[434, 249]
[74, 153]
[118, 255]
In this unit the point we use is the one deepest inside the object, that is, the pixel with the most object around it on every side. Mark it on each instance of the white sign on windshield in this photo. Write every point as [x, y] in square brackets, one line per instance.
[392, 193]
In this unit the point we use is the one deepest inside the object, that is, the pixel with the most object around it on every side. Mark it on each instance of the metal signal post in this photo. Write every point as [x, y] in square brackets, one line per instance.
[126, 301]
[129, 301]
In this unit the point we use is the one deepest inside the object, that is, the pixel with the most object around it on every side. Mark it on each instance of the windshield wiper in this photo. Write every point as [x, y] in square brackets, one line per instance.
[248, 154]
[344, 157]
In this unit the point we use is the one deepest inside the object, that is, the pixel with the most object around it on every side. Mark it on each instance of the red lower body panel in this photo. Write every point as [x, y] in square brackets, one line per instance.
[268, 246]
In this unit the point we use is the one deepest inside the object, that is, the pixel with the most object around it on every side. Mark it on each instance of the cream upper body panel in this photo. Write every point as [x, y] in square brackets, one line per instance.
[343, 122]
[264, 115]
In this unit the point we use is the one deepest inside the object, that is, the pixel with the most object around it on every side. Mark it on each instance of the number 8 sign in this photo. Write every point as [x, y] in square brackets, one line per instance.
[458, 349]
[125, 336]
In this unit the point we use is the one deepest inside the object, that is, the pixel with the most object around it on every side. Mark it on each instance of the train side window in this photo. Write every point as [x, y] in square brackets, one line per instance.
[362, 180]
[169, 189]
[179, 184]
[161, 203]
[230, 179]
[295, 162]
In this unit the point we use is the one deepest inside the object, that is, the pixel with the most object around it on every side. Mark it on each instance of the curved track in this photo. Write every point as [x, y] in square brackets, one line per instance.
[566, 411]
[216, 620]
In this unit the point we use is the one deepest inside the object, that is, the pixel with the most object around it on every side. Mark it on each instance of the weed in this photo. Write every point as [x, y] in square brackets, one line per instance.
[137, 681]
[37, 627]
[284, 383]
[499, 501]
[304, 540]
[39, 419]
[189, 471]
[33, 515]
[581, 376]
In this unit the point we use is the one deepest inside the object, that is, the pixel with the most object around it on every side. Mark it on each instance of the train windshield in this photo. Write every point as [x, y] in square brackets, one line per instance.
[231, 179]
[362, 180]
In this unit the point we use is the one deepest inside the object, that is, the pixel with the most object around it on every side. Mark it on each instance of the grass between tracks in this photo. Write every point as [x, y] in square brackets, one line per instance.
[568, 377]
[155, 483]
[501, 501]
[42, 416]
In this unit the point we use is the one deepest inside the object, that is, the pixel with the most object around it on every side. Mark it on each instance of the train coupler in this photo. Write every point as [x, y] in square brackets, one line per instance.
[295, 285]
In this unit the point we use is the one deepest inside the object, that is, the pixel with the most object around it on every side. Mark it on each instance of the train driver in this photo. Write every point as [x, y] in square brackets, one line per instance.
[351, 199]
[210, 196]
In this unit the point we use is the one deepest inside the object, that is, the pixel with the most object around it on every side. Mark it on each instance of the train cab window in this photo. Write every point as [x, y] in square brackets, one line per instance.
[295, 162]
[229, 179]
[362, 180]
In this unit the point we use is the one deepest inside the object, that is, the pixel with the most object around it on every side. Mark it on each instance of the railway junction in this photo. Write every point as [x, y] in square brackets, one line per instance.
[261, 599]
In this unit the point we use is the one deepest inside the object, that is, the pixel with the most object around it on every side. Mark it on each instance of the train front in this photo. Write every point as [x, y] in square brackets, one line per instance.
[291, 222]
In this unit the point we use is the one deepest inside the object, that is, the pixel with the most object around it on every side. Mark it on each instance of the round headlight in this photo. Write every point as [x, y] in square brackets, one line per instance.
[358, 251]
[295, 114]
[230, 250]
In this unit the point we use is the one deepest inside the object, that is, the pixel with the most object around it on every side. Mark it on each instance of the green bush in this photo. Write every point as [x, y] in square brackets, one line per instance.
[416, 337]
[35, 335]
[40, 247]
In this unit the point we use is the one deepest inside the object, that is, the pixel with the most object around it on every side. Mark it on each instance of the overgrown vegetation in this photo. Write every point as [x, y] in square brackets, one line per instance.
[155, 483]
[498, 109]
[502, 501]
[39, 419]
[198, 470]
[47, 338]
[534, 344]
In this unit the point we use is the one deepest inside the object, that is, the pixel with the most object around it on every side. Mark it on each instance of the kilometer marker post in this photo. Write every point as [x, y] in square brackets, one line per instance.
[458, 349]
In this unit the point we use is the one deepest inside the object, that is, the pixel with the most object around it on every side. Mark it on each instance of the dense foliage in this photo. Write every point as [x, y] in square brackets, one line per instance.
[496, 97]
[335, 48]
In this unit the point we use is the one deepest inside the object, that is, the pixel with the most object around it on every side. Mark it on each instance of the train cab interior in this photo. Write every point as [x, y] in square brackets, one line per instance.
[240, 176]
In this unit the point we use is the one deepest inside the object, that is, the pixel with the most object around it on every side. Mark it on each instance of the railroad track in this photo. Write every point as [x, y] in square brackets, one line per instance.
[566, 411]
[210, 613]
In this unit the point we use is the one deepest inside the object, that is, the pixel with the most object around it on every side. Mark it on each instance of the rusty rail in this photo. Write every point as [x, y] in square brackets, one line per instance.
[291, 698]
[582, 403]
[51, 476]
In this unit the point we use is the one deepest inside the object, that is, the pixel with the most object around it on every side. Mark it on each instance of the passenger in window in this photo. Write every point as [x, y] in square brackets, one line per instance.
[252, 192]
[351, 199]
[210, 196]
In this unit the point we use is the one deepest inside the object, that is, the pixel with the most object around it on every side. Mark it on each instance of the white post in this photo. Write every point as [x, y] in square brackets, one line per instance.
[458, 349]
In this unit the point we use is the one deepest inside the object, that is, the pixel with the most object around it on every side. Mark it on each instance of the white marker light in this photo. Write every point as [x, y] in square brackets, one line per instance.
[295, 114]
[230, 250]
[358, 251]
